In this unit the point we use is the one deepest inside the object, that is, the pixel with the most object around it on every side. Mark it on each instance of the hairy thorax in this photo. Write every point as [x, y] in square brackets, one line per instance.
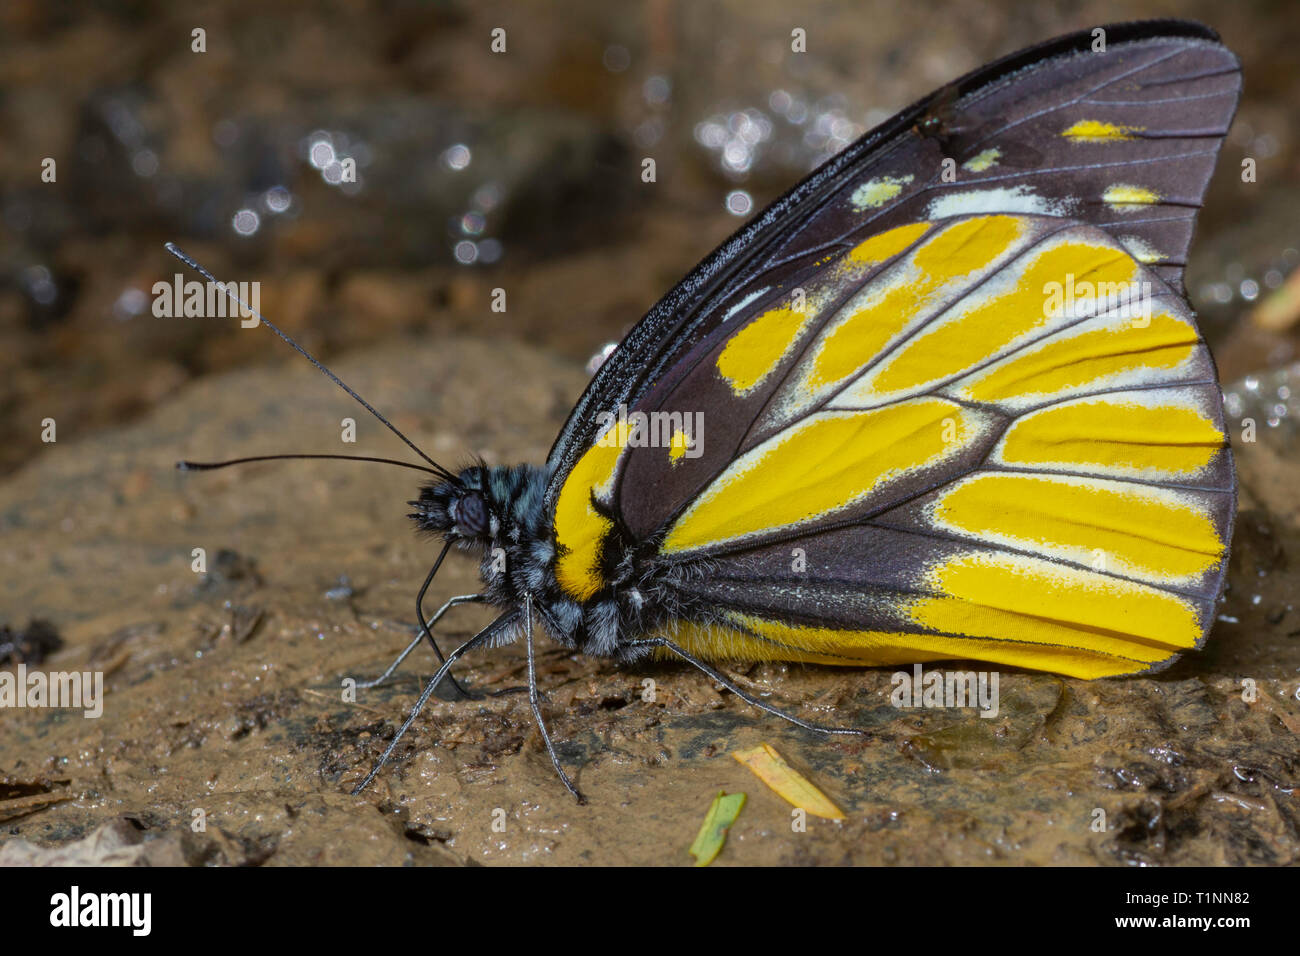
[500, 514]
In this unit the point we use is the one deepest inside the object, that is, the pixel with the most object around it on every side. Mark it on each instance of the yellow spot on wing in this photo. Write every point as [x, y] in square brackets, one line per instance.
[579, 529]
[754, 351]
[983, 161]
[1012, 598]
[1066, 362]
[968, 245]
[876, 192]
[1142, 250]
[677, 446]
[1096, 131]
[887, 244]
[1115, 436]
[1135, 529]
[826, 463]
[1125, 198]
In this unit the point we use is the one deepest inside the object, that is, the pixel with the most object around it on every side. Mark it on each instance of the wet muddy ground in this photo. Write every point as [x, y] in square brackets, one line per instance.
[226, 739]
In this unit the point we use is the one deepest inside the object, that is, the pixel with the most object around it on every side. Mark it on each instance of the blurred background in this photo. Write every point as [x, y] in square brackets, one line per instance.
[520, 169]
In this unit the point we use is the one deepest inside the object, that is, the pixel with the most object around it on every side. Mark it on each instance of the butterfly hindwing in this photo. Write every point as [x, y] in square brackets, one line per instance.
[900, 418]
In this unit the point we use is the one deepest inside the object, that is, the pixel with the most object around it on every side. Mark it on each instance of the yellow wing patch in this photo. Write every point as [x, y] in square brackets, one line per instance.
[678, 445]
[882, 311]
[824, 464]
[876, 192]
[982, 162]
[761, 639]
[888, 244]
[1124, 528]
[1125, 198]
[1142, 250]
[1096, 131]
[1102, 352]
[580, 530]
[754, 352]
[1013, 598]
[987, 323]
[1116, 435]
[1086, 543]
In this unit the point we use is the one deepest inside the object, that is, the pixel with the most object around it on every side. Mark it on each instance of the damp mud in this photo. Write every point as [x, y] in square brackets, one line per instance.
[227, 737]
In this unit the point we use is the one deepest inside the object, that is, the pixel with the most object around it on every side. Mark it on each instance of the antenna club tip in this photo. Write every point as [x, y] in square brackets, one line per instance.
[184, 466]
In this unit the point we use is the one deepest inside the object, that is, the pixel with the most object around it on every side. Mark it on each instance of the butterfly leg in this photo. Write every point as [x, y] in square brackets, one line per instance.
[537, 710]
[482, 637]
[419, 616]
[425, 631]
[747, 697]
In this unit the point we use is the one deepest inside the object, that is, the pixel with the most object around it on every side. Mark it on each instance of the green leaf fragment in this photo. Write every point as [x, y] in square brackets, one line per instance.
[713, 833]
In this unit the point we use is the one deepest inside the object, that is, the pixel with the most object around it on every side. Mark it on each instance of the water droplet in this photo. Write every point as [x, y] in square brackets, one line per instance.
[739, 202]
[472, 223]
[40, 285]
[487, 197]
[321, 153]
[656, 90]
[465, 252]
[596, 361]
[457, 157]
[130, 303]
[616, 58]
[144, 163]
[277, 199]
[246, 222]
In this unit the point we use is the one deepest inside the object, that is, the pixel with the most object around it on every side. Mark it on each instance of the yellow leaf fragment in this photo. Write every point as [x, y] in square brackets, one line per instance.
[770, 767]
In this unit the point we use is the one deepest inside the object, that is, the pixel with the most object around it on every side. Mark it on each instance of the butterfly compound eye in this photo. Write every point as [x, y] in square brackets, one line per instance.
[472, 516]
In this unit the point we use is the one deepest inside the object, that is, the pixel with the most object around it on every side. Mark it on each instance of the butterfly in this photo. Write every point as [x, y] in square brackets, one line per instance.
[944, 399]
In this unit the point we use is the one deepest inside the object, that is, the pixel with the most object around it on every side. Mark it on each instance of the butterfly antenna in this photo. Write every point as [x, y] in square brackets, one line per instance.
[213, 465]
[185, 258]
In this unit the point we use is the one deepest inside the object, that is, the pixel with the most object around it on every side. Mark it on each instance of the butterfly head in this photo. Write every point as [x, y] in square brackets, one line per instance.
[483, 506]
[460, 510]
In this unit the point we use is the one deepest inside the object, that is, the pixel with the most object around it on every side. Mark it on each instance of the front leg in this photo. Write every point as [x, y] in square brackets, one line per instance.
[426, 629]
[537, 710]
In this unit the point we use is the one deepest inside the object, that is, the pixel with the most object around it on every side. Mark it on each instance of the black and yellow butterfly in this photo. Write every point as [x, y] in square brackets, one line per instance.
[943, 399]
